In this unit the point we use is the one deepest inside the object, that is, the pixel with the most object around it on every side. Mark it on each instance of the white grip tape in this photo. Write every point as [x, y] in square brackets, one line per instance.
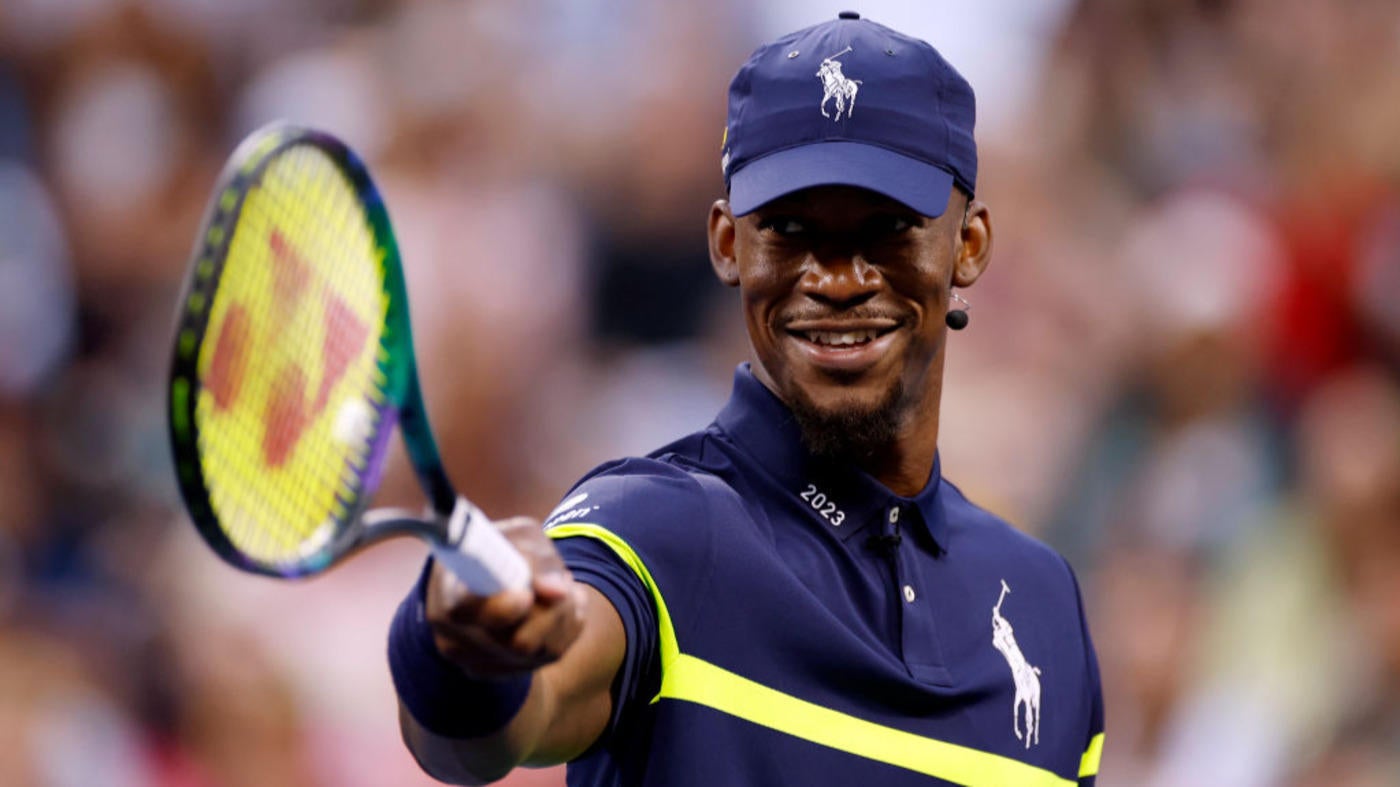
[479, 555]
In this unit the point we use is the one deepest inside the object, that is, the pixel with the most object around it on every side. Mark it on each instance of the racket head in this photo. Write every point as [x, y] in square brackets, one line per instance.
[293, 355]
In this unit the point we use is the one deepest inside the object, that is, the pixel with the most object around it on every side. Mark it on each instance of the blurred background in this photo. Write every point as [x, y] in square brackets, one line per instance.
[1183, 368]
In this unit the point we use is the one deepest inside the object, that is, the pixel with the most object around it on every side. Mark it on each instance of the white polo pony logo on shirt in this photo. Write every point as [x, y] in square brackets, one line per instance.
[1027, 677]
[837, 86]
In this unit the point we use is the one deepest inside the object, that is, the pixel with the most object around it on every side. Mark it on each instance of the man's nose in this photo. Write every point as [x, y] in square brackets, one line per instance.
[843, 279]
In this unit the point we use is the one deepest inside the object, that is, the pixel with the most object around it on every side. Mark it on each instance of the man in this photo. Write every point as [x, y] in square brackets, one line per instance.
[793, 595]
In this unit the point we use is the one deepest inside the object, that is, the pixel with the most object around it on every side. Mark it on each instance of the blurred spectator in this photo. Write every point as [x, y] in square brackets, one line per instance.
[36, 300]
[1186, 457]
[1350, 431]
[1378, 279]
[1149, 622]
[57, 725]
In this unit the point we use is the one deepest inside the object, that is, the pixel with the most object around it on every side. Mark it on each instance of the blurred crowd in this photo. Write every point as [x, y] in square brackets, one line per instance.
[1183, 368]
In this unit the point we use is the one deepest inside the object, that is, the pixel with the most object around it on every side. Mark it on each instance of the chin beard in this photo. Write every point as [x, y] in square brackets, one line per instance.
[849, 432]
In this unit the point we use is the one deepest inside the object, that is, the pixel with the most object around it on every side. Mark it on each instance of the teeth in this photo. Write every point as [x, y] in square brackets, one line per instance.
[840, 338]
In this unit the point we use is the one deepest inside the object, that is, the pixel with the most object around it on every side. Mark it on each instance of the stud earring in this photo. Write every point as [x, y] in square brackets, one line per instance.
[957, 318]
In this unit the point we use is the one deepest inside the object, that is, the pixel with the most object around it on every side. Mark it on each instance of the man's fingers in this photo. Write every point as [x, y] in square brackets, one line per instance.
[552, 587]
[551, 580]
[514, 630]
[540, 640]
[570, 624]
[546, 635]
[479, 653]
[502, 611]
[526, 536]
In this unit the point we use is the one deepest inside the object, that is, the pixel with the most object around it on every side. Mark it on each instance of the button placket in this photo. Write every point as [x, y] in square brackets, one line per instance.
[920, 647]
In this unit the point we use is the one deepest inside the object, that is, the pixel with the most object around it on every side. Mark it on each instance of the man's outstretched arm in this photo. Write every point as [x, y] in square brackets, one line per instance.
[519, 678]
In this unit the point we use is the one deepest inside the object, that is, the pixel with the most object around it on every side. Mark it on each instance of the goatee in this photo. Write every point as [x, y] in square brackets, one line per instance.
[849, 432]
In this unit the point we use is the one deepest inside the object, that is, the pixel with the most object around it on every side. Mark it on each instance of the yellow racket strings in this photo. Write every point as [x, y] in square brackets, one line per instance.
[289, 389]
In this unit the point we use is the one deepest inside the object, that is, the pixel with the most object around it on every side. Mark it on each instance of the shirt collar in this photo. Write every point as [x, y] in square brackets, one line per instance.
[762, 426]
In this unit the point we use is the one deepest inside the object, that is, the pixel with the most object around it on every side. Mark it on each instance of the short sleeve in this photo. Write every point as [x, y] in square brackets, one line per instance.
[630, 529]
[594, 564]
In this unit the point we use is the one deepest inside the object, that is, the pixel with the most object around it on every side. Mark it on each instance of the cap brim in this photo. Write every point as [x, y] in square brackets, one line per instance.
[919, 185]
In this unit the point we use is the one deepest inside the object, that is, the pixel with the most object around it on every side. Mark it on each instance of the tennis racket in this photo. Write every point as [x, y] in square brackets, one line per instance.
[293, 362]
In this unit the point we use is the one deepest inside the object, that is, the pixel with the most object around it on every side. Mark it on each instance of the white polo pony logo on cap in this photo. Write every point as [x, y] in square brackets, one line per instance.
[837, 86]
[1026, 677]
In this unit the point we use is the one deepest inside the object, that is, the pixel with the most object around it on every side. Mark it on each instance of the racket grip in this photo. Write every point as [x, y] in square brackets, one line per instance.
[479, 555]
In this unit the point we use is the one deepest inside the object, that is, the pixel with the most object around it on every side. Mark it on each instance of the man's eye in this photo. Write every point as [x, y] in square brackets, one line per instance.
[783, 225]
[890, 225]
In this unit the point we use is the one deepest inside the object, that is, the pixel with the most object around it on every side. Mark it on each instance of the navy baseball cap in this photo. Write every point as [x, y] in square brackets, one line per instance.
[850, 103]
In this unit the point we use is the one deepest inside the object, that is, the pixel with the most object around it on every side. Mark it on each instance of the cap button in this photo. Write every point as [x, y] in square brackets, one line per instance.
[848, 15]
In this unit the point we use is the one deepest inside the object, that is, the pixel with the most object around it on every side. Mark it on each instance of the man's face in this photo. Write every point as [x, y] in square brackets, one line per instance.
[844, 295]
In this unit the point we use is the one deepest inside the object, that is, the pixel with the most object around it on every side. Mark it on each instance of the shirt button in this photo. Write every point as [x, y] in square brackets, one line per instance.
[894, 515]
[909, 593]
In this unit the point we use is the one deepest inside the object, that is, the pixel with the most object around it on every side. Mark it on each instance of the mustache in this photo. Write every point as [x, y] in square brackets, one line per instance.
[862, 312]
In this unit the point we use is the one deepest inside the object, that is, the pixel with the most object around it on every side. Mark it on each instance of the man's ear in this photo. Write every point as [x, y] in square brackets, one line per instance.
[975, 248]
[721, 232]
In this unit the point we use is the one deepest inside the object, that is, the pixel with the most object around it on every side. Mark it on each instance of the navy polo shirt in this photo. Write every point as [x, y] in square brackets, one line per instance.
[793, 622]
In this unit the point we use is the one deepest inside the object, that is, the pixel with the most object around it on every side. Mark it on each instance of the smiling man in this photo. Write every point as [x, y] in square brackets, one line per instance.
[794, 595]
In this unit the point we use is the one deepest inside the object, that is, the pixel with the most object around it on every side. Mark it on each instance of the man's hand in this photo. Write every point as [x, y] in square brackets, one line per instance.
[564, 632]
[514, 631]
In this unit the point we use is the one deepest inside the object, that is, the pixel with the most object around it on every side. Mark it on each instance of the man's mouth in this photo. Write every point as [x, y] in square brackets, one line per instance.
[839, 338]
[846, 346]
[841, 333]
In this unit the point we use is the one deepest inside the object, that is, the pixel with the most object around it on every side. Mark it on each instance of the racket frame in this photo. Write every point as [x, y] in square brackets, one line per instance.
[394, 357]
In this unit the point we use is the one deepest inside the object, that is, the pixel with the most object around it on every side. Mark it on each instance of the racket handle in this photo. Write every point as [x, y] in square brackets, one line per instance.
[479, 555]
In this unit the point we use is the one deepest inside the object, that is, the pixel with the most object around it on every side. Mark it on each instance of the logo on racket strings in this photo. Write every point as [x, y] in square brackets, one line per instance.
[288, 411]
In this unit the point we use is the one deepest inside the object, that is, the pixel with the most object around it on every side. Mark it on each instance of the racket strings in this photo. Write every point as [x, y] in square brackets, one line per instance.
[290, 406]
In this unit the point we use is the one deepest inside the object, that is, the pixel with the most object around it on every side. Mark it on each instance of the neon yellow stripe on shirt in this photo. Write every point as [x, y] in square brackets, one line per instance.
[1089, 765]
[697, 681]
[689, 679]
[666, 633]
